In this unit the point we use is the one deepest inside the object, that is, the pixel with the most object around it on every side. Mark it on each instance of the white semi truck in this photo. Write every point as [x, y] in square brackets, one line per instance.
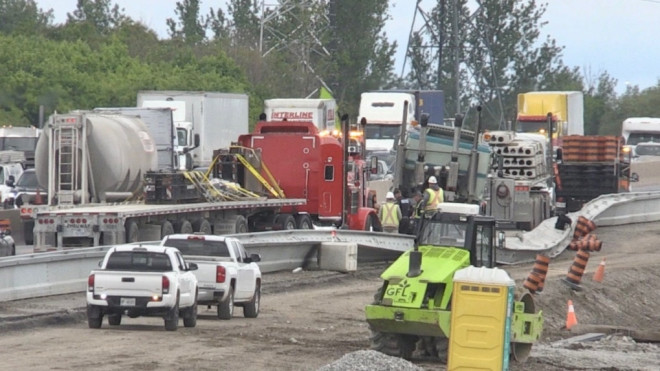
[204, 121]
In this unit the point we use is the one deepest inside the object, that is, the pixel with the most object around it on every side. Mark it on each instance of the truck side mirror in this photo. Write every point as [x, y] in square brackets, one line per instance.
[197, 141]
[192, 266]
[373, 165]
[10, 181]
[253, 258]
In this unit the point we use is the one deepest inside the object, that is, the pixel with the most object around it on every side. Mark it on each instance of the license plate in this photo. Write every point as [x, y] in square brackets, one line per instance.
[207, 286]
[127, 302]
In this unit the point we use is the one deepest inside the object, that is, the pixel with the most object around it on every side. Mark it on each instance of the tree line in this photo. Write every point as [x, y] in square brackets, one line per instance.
[101, 57]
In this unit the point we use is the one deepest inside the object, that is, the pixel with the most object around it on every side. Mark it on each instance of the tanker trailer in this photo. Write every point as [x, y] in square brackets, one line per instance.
[85, 157]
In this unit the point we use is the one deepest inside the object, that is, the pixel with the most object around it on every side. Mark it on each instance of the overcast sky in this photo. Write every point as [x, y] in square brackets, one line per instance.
[617, 36]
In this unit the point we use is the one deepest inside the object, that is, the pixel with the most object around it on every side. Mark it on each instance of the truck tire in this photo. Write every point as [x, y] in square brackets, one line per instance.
[184, 227]
[190, 315]
[284, 222]
[304, 221]
[240, 224]
[94, 317]
[202, 226]
[172, 318]
[114, 319]
[132, 231]
[166, 229]
[226, 307]
[251, 308]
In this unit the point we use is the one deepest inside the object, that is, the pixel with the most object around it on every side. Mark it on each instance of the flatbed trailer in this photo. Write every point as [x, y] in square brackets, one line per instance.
[105, 224]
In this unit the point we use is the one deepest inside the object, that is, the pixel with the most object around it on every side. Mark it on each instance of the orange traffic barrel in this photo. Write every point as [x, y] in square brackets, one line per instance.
[576, 271]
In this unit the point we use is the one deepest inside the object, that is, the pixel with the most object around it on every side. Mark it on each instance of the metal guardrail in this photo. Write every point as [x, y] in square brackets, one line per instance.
[61, 272]
[606, 210]
[66, 271]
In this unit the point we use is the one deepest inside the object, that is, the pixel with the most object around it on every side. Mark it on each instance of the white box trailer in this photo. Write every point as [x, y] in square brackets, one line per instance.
[217, 118]
[319, 111]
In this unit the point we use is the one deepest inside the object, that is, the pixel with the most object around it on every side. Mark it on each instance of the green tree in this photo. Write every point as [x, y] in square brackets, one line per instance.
[362, 57]
[23, 17]
[100, 14]
[191, 27]
[499, 51]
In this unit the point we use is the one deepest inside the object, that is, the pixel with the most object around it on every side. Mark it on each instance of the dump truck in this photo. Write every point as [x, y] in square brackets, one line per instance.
[565, 107]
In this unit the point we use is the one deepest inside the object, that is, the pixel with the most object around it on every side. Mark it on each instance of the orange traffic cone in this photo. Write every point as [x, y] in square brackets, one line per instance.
[600, 271]
[571, 320]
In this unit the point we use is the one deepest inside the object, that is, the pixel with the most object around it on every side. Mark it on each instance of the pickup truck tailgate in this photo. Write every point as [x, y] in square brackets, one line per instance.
[206, 272]
[117, 283]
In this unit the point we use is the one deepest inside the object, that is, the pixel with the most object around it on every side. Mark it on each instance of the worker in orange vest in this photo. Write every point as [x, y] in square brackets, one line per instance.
[433, 196]
[390, 214]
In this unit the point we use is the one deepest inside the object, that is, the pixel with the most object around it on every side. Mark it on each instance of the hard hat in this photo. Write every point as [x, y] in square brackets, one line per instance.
[432, 180]
[389, 195]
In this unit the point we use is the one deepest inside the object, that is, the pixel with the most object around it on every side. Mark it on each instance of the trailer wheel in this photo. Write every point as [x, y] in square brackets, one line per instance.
[284, 222]
[132, 231]
[184, 227]
[202, 226]
[240, 224]
[304, 221]
[166, 229]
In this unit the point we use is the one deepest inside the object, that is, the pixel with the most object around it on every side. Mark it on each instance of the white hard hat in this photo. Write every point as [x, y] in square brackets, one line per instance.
[432, 180]
[389, 195]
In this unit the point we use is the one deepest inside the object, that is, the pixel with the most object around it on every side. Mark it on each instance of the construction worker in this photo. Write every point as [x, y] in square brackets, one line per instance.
[417, 212]
[433, 196]
[390, 214]
[406, 206]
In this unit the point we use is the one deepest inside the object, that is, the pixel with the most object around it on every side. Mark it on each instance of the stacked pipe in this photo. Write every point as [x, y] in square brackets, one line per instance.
[522, 159]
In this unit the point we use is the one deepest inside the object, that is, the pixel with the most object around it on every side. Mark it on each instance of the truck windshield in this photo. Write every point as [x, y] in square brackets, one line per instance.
[636, 138]
[533, 127]
[18, 144]
[140, 261]
[199, 247]
[382, 131]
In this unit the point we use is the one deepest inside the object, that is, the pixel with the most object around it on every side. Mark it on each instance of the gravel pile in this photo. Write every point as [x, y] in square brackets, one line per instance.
[368, 360]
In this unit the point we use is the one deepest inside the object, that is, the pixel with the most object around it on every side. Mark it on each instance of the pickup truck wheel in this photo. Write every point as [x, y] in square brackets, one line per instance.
[304, 221]
[94, 317]
[251, 309]
[226, 307]
[114, 319]
[202, 226]
[172, 318]
[190, 316]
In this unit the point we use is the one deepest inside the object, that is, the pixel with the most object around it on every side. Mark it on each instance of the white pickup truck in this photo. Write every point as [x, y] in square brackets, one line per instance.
[227, 275]
[141, 280]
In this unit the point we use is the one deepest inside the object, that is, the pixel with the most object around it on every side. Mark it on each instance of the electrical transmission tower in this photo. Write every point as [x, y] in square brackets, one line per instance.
[303, 36]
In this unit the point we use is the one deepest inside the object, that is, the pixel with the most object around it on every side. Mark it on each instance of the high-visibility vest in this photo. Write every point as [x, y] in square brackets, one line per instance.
[435, 198]
[389, 216]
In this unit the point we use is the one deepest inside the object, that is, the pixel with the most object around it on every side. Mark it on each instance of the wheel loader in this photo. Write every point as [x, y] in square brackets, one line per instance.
[411, 315]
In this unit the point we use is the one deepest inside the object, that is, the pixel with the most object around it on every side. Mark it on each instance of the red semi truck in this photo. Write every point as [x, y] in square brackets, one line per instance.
[309, 164]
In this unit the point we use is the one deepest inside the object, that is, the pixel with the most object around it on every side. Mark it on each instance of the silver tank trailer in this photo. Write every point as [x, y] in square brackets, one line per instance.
[121, 150]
